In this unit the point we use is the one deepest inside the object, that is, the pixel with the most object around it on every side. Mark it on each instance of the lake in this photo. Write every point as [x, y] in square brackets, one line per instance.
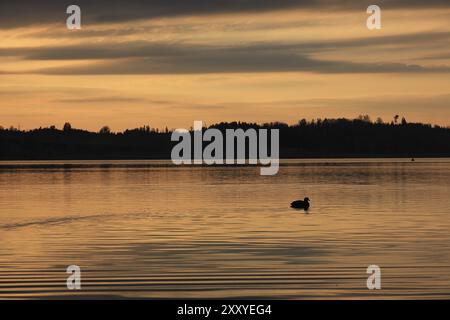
[148, 229]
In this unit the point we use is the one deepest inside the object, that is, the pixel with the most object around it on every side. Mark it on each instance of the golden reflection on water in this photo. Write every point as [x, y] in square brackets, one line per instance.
[149, 229]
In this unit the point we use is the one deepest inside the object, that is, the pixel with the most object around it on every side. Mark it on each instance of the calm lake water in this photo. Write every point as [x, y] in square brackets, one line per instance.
[153, 230]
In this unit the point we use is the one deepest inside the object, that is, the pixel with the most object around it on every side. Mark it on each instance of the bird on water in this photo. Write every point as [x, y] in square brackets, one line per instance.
[301, 204]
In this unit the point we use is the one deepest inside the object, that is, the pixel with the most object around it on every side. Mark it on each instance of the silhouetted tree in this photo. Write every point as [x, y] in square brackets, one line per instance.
[396, 118]
[67, 127]
[324, 138]
[105, 130]
[365, 118]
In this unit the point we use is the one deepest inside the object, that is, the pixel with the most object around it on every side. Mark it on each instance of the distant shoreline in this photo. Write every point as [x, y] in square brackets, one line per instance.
[312, 157]
[327, 138]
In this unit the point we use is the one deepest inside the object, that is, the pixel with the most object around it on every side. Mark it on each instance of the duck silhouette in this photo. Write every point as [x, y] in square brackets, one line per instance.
[301, 204]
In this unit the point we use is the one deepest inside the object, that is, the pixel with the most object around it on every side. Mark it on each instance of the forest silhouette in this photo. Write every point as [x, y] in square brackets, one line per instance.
[342, 137]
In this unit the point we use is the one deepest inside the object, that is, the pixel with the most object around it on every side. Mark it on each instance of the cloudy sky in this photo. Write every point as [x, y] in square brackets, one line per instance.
[170, 62]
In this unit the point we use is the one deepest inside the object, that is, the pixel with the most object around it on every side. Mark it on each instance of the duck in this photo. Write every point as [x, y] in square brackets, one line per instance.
[301, 204]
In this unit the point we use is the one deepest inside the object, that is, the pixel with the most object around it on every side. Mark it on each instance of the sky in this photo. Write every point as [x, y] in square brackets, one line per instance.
[170, 62]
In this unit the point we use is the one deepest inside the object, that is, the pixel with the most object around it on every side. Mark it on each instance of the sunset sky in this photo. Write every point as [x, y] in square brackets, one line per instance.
[168, 63]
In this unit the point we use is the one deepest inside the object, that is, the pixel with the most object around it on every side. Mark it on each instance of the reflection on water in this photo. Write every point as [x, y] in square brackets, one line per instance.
[149, 229]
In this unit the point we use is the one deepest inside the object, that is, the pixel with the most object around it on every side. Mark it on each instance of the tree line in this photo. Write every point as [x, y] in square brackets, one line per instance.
[360, 137]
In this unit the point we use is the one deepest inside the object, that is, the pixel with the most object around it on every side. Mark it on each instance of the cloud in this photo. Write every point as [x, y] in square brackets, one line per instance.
[112, 50]
[26, 12]
[236, 62]
[94, 51]
[109, 99]
[142, 57]
[166, 58]
[440, 56]
[179, 28]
